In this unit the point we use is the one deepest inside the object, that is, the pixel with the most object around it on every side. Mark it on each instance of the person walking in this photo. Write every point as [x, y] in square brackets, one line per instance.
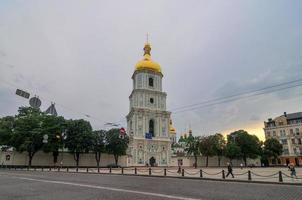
[241, 165]
[292, 170]
[230, 170]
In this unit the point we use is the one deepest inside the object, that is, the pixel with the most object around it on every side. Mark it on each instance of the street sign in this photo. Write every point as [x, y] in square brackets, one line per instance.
[22, 93]
[35, 102]
[148, 135]
[122, 131]
[45, 139]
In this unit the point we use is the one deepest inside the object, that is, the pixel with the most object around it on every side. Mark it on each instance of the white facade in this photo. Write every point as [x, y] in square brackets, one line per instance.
[148, 115]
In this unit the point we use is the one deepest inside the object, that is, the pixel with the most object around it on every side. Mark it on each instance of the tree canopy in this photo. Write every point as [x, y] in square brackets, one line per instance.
[28, 131]
[193, 148]
[78, 138]
[250, 146]
[272, 149]
[115, 144]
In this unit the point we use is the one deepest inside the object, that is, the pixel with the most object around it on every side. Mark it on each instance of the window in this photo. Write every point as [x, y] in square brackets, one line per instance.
[285, 152]
[268, 133]
[291, 131]
[151, 127]
[299, 141]
[151, 84]
[297, 131]
[283, 141]
[151, 100]
[293, 141]
[274, 133]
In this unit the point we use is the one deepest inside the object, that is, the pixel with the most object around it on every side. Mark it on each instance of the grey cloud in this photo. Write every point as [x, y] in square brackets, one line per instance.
[82, 55]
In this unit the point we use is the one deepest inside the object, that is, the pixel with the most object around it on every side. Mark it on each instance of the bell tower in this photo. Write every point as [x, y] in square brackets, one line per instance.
[148, 120]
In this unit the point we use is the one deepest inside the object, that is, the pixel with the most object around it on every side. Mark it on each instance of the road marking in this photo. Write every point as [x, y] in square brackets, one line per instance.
[104, 188]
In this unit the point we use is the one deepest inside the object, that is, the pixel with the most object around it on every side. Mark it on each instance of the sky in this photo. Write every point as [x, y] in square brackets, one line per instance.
[81, 55]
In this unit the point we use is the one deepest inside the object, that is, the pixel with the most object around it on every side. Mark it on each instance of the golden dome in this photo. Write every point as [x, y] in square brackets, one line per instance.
[146, 62]
[171, 128]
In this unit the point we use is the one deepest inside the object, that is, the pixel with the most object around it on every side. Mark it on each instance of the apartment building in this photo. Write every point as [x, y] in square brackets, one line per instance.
[287, 128]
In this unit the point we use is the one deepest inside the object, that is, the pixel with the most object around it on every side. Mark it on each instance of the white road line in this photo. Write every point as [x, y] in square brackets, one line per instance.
[104, 188]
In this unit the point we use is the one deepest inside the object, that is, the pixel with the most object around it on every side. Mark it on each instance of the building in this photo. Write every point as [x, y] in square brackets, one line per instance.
[286, 128]
[148, 120]
[172, 131]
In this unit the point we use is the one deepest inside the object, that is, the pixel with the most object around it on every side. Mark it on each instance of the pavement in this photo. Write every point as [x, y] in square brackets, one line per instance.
[36, 185]
[270, 174]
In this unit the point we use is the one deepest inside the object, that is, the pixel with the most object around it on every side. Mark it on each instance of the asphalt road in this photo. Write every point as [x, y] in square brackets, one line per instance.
[62, 186]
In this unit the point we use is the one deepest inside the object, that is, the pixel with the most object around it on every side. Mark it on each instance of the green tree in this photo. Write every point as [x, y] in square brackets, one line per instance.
[54, 126]
[206, 147]
[192, 148]
[98, 145]
[28, 132]
[78, 138]
[249, 145]
[272, 149]
[219, 146]
[116, 145]
[232, 151]
[7, 125]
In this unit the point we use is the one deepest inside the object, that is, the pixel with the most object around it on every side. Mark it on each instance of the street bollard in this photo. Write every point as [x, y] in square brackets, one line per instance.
[200, 173]
[223, 175]
[87, 170]
[249, 175]
[67, 169]
[122, 170]
[165, 172]
[98, 169]
[42, 169]
[77, 170]
[150, 171]
[58, 169]
[49, 168]
[135, 171]
[110, 170]
[182, 172]
[280, 177]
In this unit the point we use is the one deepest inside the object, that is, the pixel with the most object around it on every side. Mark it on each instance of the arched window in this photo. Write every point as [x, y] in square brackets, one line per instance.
[151, 82]
[151, 127]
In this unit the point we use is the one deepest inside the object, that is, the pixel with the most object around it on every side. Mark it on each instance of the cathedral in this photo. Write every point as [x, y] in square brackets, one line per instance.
[148, 121]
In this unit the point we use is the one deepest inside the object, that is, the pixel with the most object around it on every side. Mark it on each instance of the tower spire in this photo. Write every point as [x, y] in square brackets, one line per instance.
[147, 38]
[147, 47]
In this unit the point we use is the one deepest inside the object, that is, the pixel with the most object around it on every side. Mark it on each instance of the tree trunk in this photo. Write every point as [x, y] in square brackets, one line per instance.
[98, 159]
[195, 164]
[55, 155]
[76, 157]
[29, 161]
[207, 161]
[30, 158]
[116, 159]
[244, 159]
[219, 159]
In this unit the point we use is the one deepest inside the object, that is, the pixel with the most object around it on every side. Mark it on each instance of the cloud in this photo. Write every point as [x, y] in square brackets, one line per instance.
[81, 55]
